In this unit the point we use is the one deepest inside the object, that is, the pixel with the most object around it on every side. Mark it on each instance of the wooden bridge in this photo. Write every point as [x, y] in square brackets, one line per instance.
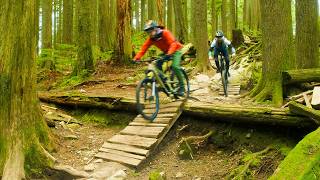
[140, 138]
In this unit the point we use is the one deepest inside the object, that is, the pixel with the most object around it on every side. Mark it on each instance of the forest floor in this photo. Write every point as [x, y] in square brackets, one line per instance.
[215, 159]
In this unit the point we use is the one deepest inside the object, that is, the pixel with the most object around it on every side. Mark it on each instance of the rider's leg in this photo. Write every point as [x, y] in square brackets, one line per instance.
[177, 70]
[215, 55]
[159, 66]
[226, 57]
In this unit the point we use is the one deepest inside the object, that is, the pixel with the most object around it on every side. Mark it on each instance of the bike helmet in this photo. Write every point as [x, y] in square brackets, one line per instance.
[150, 25]
[219, 34]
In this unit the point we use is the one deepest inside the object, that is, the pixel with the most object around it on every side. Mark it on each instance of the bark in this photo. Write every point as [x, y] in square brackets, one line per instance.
[160, 12]
[181, 29]
[213, 18]
[94, 23]
[21, 127]
[224, 20]
[143, 13]
[103, 24]
[47, 23]
[200, 33]
[113, 23]
[137, 14]
[170, 16]
[60, 23]
[244, 15]
[152, 10]
[164, 12]
[276, 50]
[302, 110]
[237, 37]
[123, 44]
[67, 21]
[85, 56]
[307, 32]
[301, 76]
[232, 19]
[303, 161]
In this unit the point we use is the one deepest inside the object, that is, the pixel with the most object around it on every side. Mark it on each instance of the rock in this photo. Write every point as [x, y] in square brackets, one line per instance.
[179, 175]
[201, 78]
[98, 161]
[72, 137]
[89, 167]
[73, 126]
[119, 175]
[248, 136]
[219, 152]
[106, 169]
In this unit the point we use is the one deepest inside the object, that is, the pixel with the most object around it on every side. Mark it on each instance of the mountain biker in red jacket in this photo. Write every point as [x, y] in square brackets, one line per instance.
[164, 40]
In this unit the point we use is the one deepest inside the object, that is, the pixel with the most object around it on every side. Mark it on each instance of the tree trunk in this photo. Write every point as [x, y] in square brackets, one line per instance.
[113, 23]
[165, 12]
[152, 10]
[170, 16]
[224, 20]
[85, 56]
[67, 21]
[307, 33]
[232, 6]
[302, 110]
[60, 22]
[302, 161]
[301, 76]
[137, 14]
[94, 23]
[276, 50]
[200, 33]
[160, 12]
[244, 15]
[104, 26]
[213, 18]
[181, 29]
[47, 23]
[22, 130]
[123, 44]
[143, 13]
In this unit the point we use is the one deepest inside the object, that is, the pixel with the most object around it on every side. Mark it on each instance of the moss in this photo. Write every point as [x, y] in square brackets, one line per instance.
[303, 161]
[3, 152]
[155, 175]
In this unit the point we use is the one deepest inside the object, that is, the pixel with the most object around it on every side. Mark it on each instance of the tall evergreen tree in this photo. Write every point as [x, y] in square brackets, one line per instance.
[85, 56]
[103, 24]
[200, 33]
[123, 47]
[307, 34]
[152, 10]
[277, 49]
[47, 23]
[23, 132]
[67, 21]
[160, 12]
[224, 19]
[213, 18]
[170, 16]
[143, 13]
[137, 14]
[181, 29]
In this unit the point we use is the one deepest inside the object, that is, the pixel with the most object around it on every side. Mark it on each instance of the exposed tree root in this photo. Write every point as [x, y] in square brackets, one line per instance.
[250, 160]
[14, 166]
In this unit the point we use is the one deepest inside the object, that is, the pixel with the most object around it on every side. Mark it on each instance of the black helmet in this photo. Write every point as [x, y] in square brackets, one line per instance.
[150, 25]
[219, 34]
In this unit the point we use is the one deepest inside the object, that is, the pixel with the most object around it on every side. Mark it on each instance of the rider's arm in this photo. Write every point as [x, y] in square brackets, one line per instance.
[144, 49]
[228, 43]
[213, 44]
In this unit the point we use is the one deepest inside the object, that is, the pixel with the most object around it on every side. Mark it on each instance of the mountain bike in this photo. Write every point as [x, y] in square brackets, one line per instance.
[224, 74]
[158, 80]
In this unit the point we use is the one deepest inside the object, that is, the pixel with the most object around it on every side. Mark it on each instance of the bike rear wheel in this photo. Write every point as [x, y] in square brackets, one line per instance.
[147, 98]
[175, 84]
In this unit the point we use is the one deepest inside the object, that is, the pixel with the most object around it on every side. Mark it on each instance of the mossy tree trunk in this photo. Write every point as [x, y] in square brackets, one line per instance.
[22, 129]
[94, 23]
[244, 15]
[103, 24]
[181, 29]
[152, 10]
[60, 22]
[224, 20]
[276, 50]
[47, 23]
[213, 18]
[307, 51]
[164, 12]
[123, 47]
[113, 20]
[137, 14]
[232, 19]
[85, 56]
[170, 16]
[200, 33]
[67, 21]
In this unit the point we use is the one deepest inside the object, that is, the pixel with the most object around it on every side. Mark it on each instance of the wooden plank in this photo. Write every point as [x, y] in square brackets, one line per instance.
[307, 100]
[120, 159]
[157, 120]
[169, 115]
[133, 140]
[170, 104]
[153, 132]
[161, 111]
[126, 148]
[150, 124]
[121, 153]
[316, 97]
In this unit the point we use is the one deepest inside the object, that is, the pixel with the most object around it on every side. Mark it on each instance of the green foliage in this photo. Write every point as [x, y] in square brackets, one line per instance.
[155, 175]
[72, 81]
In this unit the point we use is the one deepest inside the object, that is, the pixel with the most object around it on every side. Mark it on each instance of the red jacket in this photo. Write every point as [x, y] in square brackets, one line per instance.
[167, 44]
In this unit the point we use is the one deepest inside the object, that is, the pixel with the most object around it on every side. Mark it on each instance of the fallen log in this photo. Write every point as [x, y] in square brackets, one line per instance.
[316, 98]
[300, 109]
[245, 114]
[303, 162]
[301, 76]
[229, 113]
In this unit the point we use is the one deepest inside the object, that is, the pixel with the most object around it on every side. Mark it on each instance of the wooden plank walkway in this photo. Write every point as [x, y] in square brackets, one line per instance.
[233, 89]
[132, 145]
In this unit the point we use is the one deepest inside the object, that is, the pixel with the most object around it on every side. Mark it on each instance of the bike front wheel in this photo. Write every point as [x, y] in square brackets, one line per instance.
[147, 98]
[224, 78]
